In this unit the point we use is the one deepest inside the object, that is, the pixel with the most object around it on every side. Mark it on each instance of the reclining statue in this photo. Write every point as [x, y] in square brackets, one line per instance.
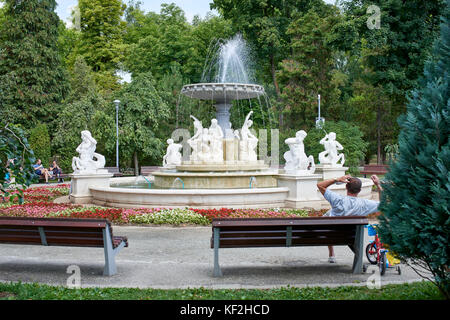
[89, 161]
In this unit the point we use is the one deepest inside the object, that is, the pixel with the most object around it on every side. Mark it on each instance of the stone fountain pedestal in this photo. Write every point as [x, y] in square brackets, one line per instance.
[330, 172]
[302, 190]
[81, 183]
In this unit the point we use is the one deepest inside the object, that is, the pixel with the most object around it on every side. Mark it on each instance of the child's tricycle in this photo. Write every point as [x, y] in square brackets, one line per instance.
[376, 254]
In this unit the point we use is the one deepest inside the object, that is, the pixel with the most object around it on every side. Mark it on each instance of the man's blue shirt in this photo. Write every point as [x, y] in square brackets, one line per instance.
[349, 206]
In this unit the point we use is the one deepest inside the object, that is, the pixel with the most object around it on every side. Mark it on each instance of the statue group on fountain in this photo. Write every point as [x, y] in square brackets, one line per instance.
[331, 156]
[247, 142]
[298, 163]
[207, 143]
[173, 156]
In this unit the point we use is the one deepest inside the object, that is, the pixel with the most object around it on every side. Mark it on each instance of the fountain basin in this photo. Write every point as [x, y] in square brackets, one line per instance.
[122, 193]
[216, 180]
[196, 198]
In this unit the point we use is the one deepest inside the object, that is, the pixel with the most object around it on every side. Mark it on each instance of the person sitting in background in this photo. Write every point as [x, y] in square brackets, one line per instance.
[56, 170]
[348, 205]
[8, 171]
[40, 170]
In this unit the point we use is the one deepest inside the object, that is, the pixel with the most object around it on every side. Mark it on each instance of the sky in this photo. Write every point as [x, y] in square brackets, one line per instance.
[190, 7]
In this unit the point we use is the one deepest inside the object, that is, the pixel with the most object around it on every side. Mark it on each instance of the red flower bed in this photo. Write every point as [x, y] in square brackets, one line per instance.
[113, 215]
[42, 193]
[255, 213]
[35, 209]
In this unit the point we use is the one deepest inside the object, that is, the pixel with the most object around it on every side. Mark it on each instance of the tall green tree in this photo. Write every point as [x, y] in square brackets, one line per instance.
[32, 79]
[141, 112]
[308, 71]
[160, 42]
[101, 40]
[264, 23]
[40, 143]
[392, 51]
[372, 110]
[77, 113]
[415, 204]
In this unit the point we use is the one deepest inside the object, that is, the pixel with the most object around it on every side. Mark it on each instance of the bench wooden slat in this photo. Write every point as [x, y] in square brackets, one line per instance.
[282, 243]
[294, 234]
[48, 222]
[64, 232]
[288, 232]
[147, 170]
[115, 171]
[248, 222]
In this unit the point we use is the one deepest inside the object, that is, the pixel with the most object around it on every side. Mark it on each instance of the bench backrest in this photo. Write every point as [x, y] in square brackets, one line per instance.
[145, 170]
[113, 169]
[380, 167]
[53, 231]
[282, 232]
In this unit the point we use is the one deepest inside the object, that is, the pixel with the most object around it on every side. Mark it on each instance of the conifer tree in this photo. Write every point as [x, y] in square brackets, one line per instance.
[32, 79]
[415, 203]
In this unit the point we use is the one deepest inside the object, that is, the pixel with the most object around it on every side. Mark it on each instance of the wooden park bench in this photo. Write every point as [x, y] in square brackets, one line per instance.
[115, 171]
[289, 232]
[61, 177]
[64, 232]
[147, 170]
[380, 169]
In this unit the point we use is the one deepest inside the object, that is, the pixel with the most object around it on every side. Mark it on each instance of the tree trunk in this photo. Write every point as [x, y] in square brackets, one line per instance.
[273, 71]
[136, 163]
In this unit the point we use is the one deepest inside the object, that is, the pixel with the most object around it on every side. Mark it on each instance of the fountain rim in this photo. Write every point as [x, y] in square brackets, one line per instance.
[222, 91]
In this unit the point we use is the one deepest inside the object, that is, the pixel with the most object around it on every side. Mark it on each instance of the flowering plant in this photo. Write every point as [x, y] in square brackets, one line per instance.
[39, 203]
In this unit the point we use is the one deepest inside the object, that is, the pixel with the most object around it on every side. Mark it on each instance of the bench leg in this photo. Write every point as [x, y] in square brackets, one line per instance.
[217, 271]
[110, 253]
[359, 250]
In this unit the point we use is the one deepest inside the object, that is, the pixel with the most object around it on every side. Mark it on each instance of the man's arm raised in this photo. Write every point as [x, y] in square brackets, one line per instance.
[323, 185]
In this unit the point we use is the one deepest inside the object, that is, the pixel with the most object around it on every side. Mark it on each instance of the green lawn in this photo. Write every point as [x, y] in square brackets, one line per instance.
[413, 291]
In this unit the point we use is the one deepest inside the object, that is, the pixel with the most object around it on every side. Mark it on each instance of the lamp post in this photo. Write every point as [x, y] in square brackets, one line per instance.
[319, 120]
[117, 102]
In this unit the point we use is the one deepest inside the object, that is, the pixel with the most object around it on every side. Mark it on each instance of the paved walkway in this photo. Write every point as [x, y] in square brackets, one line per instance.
[171, 257]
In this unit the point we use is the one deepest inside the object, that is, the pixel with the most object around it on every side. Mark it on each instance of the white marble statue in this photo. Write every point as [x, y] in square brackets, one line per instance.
[85, 163]
[331, 156]
[297, 162]
[173, 155]
[195, 142]
[248, 142]
[205, 150]
[216, 138]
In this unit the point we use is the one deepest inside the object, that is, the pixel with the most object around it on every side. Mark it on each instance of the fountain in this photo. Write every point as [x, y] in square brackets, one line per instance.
[222, 157]
[223, 169]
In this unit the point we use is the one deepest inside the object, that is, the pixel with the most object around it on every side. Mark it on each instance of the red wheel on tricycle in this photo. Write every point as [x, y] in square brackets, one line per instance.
[371, 253]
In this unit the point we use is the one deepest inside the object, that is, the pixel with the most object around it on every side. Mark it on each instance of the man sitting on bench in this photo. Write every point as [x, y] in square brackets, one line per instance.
[348, 205]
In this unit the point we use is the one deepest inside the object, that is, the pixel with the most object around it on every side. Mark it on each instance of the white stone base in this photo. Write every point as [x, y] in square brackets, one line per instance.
[80, 192]
[303, 191]
[329, 172]
[193, 198]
